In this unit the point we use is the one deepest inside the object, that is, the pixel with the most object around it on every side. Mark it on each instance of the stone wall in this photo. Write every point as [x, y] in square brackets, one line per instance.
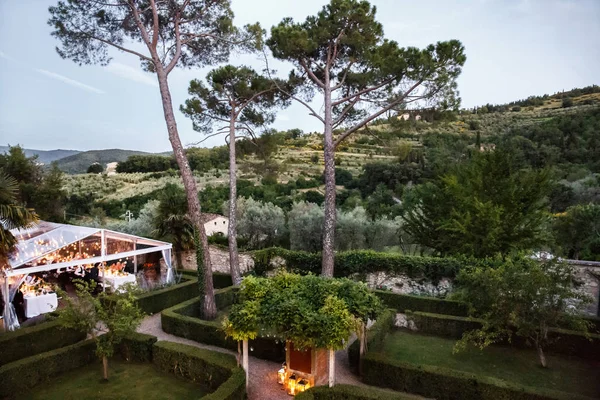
[588, 273]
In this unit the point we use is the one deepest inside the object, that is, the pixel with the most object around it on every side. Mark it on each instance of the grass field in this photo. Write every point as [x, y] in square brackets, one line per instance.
[520, 366]
[126, 381]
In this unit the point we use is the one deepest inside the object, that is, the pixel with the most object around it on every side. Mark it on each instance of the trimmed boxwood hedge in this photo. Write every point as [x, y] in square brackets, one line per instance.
[375, 337]
[21, 375]
[29, 341]
[208, 368]
[402, 302]
[157, 300]
[220, 280]
[234, 388]
[137, 347]
[182, 321]
[567, 342]
[445, 384]
[359, 262]
[350, 392]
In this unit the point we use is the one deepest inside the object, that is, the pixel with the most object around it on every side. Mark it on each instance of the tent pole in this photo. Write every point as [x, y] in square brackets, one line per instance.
[245, 359]
[103, 253]
[135, 257]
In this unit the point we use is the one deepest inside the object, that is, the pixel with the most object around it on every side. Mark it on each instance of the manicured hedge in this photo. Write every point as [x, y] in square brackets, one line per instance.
[21, 375]
[182, 321]
[445, 384]
[567, 342]
[137, 347]
[221, 280]
[375, 337]
[157, 300]
[234, 388]
[208, 368]
[26, 342]
[359, 262]
[402, 302]
[350, 392]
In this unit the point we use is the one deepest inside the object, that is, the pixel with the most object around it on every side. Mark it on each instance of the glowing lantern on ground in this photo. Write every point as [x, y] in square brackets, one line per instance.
[281, 376]
[302, 385]
[291, 386]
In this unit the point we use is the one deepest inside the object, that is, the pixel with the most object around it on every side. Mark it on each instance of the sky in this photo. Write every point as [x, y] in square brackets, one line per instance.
[514, 48]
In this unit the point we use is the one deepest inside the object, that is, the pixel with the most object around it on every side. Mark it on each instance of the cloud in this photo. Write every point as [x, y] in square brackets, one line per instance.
[133, 74]
[69, 81]
[6, 56]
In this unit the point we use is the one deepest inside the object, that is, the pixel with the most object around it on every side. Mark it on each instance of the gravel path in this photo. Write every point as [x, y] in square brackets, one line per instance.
[263, 374]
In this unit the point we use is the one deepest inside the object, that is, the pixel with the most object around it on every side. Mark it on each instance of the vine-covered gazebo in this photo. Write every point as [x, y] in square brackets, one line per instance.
[313, 315]
[63, 248]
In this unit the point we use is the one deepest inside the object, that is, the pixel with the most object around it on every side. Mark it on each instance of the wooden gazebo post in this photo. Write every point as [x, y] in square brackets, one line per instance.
[245, 359]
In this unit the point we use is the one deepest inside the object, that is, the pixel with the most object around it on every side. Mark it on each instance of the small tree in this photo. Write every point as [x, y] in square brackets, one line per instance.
[243, 100]
[522, 297]
[310, 311]
[95, 168]
[107, 318]
[361, 76]
[577, 232]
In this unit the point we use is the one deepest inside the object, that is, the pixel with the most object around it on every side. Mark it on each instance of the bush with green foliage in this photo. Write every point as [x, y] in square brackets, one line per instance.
[577, 232]
[155, 301]
[95, 168]
[483, 207]
[259, 224]
[32, 340]
[445, 384]
[349, 392]
[403, 302]
[360, 262]
[523, 297]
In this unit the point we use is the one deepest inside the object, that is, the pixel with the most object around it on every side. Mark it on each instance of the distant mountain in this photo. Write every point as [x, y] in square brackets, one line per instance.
[79, 163]
[45, 156]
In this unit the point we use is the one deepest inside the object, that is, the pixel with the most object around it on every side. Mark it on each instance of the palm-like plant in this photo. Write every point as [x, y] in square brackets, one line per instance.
[12, 216]
[172, 221]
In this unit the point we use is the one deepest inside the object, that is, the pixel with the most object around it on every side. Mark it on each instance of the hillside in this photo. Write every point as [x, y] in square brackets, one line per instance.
[78, 163]
[45, 156]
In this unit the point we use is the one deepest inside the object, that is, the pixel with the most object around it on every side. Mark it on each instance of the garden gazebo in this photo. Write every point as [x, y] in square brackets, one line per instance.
[60, 248]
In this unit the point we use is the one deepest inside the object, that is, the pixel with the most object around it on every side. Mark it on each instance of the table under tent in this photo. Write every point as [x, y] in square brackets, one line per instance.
[67, 251]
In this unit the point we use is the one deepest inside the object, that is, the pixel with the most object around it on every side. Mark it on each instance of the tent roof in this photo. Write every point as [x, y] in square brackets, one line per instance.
[45, 238]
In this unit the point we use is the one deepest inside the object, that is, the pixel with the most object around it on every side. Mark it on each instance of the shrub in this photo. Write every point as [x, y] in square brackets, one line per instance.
[360, 262]
[349, 392]
[234, 388]
[137, 347]
[182, 321]
[562, 341]
[21, 375]
[33, 340]
[157, 300]
[567, 102]
[375, 337]
[402, 302]
[445, 384]
[208, 368]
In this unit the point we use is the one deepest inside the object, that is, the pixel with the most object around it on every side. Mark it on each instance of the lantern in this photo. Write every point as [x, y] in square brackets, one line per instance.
[291, 387]
[281, 376]
[302, 385]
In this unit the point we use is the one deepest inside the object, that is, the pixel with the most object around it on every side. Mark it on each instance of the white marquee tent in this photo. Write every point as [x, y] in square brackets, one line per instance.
[59, 247]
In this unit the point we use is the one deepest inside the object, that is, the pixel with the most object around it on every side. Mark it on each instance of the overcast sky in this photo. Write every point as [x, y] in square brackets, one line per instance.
[515, 48]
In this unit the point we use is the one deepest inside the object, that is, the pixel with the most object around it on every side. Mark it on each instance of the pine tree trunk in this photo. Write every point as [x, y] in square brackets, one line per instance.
[239, 353]
[209, 309]
[330, 212]
[105, 368]
[542, 356]
[234, 266]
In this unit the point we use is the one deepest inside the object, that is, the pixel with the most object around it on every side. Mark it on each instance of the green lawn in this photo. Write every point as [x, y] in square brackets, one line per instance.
[126, 381]
[520, 366]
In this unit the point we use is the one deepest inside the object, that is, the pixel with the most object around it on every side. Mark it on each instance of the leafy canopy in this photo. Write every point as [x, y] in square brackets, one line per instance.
[342, 49]
[176, 32]
[311, 311]
[483, 207]
[238, 93]
[521, 296]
